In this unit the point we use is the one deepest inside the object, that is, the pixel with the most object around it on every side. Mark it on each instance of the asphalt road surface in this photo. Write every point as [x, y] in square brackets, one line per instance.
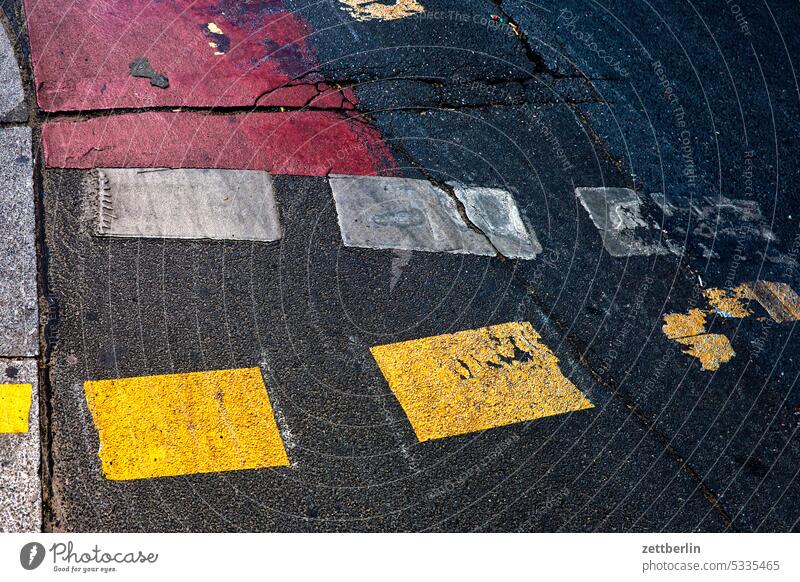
[556, 292]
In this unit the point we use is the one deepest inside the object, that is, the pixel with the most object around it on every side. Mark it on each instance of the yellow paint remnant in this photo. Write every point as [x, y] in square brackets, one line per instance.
[779, 299]
[478, 379]
[689, 329]
[712, 349]
[214, 29]
[180, 424]
[15, 407]
[372, 10]
[728, 303]
[677, 325]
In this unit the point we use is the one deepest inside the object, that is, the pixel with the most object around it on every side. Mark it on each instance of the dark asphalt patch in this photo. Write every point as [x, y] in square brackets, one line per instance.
[306, 310]
[611, 309]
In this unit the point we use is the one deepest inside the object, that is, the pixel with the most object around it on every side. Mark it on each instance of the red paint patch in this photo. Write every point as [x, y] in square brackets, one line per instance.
[82, 49]
[304, 143]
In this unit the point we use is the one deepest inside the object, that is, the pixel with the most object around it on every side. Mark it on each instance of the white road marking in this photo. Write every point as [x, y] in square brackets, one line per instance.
[402, 213]
[187, 204]
[616, 212]
[494, 212]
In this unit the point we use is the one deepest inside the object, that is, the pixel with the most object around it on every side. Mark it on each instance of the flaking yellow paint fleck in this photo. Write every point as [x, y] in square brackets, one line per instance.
[728, 303]
[478, 379]
[779, 299]
[372, 10]
[15, 407]
[179, 424]
[678, 325]
[712, 349]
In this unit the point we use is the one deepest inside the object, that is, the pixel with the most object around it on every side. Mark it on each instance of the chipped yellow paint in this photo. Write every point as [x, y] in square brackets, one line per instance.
[372, 10]
[478, 379]
[712, 349]
[778, 299]
[15, 407]
[179, 424]
[689, 329]
[728, 303]
[677, 325]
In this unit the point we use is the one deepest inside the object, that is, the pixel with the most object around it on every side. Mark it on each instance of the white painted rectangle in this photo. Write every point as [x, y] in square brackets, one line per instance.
[187, 204]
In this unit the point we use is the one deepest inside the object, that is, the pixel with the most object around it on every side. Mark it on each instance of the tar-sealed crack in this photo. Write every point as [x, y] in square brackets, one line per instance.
[538, 61]
[614, 389]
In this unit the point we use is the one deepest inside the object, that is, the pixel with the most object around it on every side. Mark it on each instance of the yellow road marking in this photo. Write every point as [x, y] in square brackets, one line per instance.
[214, 29]
[180, 424]
[15, 407]
[373, 10]
[689, 329]
[478, 379]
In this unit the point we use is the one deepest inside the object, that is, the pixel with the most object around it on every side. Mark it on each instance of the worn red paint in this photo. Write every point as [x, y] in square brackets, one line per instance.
[82, 49]
[304, 143]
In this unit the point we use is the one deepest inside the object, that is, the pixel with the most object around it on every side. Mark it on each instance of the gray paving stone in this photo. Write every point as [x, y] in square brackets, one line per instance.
[12, 96]
[20, 485]
[401, 213]
[19, 313]
[616, 212]
[494, 212]
[188, 204]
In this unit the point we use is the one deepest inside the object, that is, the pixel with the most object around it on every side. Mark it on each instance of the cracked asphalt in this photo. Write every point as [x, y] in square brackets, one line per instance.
[692, 107]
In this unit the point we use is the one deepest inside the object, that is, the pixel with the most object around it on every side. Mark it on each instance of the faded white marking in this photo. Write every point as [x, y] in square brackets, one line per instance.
[616, 212]
[400, 260]
[496, 214]
[714, 223]
[402, 213]
[189, 204]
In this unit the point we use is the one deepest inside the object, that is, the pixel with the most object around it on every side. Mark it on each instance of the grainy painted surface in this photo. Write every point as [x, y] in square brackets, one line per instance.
[477, 379]
[179, 424]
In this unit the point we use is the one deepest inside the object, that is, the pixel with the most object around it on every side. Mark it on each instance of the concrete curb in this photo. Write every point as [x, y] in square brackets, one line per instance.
[20, 481]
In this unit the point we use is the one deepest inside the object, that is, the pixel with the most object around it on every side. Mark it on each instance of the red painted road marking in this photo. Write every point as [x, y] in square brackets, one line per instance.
[303, 143]
[214, 53]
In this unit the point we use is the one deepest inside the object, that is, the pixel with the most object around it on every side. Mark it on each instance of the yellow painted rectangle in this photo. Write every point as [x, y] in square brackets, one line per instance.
[477, 379]
[15, 407]
[180, 424]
